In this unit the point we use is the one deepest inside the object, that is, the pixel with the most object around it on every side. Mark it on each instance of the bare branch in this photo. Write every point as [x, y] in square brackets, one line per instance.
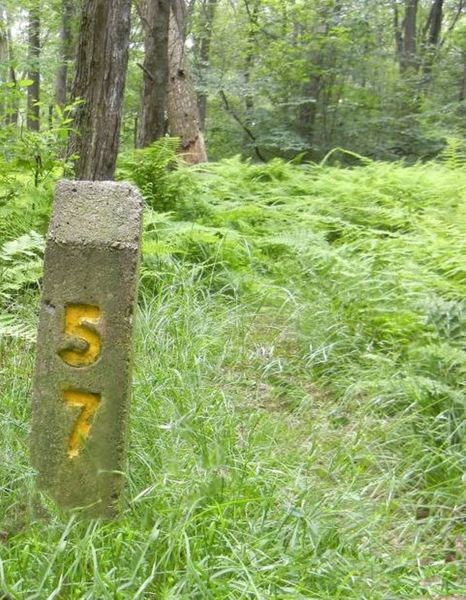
[245, 128]
[459, 12]
[148, 73]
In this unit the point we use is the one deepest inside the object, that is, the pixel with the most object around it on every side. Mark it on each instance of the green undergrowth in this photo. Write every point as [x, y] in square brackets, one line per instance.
[297, 427]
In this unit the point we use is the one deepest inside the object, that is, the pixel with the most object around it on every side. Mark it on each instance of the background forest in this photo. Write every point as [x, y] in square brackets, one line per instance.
[385, 78]
[297, 427]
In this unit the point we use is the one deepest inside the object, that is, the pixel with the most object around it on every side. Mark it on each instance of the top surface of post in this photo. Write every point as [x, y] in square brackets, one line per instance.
[108, 213]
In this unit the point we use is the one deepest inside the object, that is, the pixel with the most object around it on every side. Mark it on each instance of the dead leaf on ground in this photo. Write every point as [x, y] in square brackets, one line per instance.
[460, 546]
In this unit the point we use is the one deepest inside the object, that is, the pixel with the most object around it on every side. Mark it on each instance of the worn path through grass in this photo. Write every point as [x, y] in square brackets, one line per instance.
[298, 417]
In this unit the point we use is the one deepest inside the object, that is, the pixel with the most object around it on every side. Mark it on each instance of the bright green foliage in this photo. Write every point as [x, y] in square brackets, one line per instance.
[298, 420]
[152, 169]
[24, 212]
[453, 154]
[20, 272]
[307, 75]
[39, 155]
[21, 261]
[300, 76]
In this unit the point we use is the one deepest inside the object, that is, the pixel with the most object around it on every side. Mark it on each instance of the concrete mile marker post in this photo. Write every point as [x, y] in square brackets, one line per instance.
[83, 366]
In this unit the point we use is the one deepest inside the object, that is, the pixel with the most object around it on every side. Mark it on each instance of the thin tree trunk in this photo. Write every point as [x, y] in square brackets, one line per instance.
[432, 42]
[66, 52]
[250, 57]
[155, 15]
[398, 32]
[183, 111]
[208, 14]
[3, 46]
[454, 21]
[308, 110]
[409, 59]
[33, 94]
[243, 125]
[317, 90]
[462, 94]
[100, 82]
[13, 108]
[4, 58]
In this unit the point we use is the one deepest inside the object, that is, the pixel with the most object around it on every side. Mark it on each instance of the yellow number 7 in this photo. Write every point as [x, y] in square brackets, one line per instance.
[84, 344]
[88, 404]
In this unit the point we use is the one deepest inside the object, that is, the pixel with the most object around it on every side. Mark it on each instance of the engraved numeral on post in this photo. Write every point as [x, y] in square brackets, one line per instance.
[88, 404]
[84, 343]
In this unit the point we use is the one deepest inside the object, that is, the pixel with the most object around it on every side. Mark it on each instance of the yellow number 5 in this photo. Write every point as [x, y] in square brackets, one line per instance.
[84, 344]
[88, 403]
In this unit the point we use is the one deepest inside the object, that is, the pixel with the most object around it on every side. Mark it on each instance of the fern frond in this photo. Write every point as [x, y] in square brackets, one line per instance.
[30, 244]
[14, 327]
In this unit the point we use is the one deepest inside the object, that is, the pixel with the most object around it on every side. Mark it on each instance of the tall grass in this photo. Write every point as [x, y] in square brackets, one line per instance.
[297, 427]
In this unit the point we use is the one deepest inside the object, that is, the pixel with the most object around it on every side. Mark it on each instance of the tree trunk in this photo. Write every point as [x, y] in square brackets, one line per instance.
[183, 111]
[250, 58]
[320, 61]
[462, 94]
[100, 82]
[155, 16]
[208, 14]
[435, 19]
[33, 94]
[431, 45]
[3, 46]
[308, 110]
[3, 60]
[398, 32]
[66, 52]
[409, 59]
[13, 108]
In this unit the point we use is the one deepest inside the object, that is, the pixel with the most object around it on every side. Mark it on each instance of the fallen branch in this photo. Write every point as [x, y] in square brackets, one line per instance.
[245, 128]
[146, 71]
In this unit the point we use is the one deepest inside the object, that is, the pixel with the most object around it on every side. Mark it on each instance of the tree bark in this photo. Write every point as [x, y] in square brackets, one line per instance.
[320, 61]
[409, 59]
[33, 94]
[209, 8]
[100, 82]
[13, 107]
[308, 110]
[3, 60]
[183, 111]
[398, 32]
[155, 16]
[66, 52]
[250, 56]
[435, 22]
[462, 94]
[431, 44]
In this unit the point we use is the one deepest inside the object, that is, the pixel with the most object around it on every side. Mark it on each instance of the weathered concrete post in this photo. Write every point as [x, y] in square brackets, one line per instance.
[83, 364]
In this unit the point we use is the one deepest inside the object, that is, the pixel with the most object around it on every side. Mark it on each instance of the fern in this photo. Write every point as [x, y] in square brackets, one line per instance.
[14, 326]
[21, 263]
[454, 155]
[20, 270]
[159, 174]
[28, 245]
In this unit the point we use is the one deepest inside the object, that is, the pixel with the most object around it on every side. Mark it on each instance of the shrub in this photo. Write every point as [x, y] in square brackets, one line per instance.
[160, 175]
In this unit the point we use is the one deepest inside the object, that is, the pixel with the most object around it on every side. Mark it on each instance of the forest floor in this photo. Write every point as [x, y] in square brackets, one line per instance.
[297, 427]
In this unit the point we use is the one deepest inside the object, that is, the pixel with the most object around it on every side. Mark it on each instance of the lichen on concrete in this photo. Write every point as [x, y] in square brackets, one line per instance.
[91, 260]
